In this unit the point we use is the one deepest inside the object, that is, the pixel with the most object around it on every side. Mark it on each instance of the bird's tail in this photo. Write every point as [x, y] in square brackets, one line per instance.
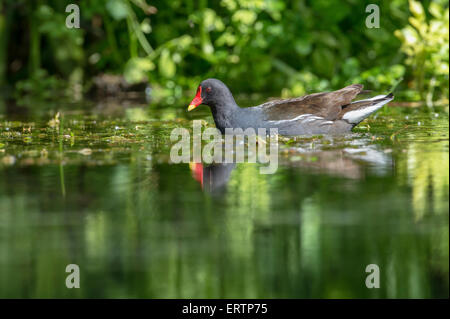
[357, 111]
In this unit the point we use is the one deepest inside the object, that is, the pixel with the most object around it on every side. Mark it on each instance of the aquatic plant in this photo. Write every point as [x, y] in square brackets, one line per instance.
[425, 41]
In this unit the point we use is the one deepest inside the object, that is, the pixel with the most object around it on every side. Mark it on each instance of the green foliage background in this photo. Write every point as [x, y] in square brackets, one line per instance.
[274, 47]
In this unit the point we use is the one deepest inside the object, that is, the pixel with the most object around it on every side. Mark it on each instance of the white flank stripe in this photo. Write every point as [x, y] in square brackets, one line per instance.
[305, 119]
[311, 119]
[291, 120]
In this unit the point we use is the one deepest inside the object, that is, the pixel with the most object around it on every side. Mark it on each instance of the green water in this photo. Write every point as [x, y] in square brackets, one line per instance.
[97, 189]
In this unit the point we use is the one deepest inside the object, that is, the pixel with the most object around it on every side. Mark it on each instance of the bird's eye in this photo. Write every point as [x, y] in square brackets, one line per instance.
[208, 89]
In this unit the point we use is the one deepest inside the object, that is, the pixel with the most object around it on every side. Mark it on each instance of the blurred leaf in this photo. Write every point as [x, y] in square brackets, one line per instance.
[303, 46]
[117, 9]
[136, 70]
[146, 26]
[166, 65]
[435, 10]
[416, 9]
[246, 17]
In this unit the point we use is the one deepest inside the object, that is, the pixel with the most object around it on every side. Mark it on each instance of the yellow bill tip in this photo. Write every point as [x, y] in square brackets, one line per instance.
[191, 107]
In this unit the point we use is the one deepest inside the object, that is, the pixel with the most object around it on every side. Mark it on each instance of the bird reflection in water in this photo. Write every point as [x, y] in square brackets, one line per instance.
[213, 178]
[347, 163]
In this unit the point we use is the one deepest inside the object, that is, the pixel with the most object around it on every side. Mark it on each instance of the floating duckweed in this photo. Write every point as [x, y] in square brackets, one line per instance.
[85, 151]
[27, 139]
[8, 160]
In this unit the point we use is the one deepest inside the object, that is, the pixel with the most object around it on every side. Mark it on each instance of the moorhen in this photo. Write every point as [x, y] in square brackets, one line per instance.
[318, 113]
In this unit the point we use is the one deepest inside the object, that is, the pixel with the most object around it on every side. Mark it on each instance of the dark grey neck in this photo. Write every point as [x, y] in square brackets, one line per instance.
[223, 117]
[224, 110]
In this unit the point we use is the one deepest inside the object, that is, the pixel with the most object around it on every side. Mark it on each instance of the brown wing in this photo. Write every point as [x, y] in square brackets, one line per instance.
[326, 104]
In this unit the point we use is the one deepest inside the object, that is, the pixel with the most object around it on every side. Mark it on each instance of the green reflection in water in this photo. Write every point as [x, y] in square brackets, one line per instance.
[139, 226]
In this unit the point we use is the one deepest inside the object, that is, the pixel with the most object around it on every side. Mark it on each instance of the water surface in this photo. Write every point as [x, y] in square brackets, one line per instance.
[95, 187]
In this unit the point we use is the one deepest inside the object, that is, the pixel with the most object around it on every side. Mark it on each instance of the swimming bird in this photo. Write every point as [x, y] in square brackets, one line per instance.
[319, 113]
